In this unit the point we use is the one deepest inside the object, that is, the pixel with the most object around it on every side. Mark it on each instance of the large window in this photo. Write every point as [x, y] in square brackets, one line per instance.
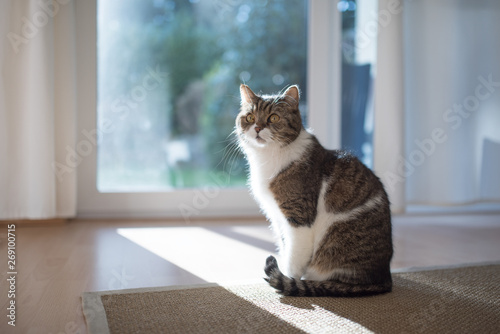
[168, 78]
[167, 75]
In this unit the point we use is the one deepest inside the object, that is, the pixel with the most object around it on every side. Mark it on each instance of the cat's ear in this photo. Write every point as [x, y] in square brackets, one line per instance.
[292, 94]
[247, 96]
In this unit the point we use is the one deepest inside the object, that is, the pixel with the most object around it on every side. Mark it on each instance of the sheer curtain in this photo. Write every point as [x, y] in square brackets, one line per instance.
[37, 109]
[437, 130]
[452, 55]
[388, 134]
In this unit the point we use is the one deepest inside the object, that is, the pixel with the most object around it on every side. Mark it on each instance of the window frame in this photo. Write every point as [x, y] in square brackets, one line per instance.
[324, 65]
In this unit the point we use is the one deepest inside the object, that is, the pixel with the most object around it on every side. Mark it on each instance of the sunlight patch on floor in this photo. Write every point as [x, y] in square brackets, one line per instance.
[206, 254]
[259, 232]
[303, 314]
[313, 321]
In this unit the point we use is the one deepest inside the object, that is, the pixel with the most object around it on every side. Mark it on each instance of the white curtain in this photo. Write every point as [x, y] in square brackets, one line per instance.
[37, 109]
[443, 57]
[388, 135]
[452, 55]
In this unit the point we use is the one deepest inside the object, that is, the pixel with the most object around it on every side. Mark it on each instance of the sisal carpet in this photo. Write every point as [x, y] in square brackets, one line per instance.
[447, 300]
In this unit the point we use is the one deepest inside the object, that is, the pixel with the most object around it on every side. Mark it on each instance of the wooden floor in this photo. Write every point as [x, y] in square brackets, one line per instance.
[56, 263]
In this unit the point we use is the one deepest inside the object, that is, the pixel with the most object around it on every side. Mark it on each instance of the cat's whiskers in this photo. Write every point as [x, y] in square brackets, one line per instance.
[227, 154]
[232, 159]
[232, 141]
[234, 132]
[231, 153]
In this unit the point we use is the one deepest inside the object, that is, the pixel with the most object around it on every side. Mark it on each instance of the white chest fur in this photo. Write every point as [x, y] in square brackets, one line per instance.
[265, 163]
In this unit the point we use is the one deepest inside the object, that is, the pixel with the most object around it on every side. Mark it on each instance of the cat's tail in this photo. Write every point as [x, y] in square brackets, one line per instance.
[288, 286]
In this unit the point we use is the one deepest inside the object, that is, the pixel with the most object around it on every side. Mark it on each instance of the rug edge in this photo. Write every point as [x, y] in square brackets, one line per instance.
[151, 289]
[94, 313]
[176, 287]
[441, 267]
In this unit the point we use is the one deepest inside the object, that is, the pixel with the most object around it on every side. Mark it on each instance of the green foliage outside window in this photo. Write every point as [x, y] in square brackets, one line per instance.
[176, 133]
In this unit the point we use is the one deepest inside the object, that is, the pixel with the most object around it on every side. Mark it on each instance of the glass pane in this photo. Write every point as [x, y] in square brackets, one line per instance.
[168, 85]
[359, 50]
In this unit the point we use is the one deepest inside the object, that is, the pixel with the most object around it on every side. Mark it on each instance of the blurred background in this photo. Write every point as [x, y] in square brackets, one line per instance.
[178, 132]
[127, 107]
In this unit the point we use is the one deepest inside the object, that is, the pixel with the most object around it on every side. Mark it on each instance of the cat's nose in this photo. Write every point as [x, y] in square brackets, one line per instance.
[258, 129]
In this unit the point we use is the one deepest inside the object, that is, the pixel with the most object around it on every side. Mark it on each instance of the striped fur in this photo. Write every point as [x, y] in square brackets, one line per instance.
[288, 286]
[330, 214]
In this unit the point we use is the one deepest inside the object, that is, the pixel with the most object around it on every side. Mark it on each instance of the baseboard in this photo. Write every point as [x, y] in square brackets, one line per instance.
[35, 222]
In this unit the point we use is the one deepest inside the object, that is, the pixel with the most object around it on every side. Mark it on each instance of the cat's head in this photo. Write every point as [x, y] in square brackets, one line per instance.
[268, 119]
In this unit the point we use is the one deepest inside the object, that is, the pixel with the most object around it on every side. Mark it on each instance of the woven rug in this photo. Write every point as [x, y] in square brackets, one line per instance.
[450, 300]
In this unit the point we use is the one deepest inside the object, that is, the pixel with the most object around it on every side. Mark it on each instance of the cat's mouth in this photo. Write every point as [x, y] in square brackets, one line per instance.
[259, 139]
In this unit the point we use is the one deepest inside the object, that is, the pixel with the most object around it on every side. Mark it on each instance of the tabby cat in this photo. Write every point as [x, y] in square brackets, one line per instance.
[329, 213]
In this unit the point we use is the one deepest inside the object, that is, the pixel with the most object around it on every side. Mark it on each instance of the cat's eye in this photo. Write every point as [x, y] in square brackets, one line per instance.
[250, 118]
[273, 118]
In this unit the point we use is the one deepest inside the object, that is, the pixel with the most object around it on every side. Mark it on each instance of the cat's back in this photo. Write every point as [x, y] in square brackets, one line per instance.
[350, 182]
[336, 178]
